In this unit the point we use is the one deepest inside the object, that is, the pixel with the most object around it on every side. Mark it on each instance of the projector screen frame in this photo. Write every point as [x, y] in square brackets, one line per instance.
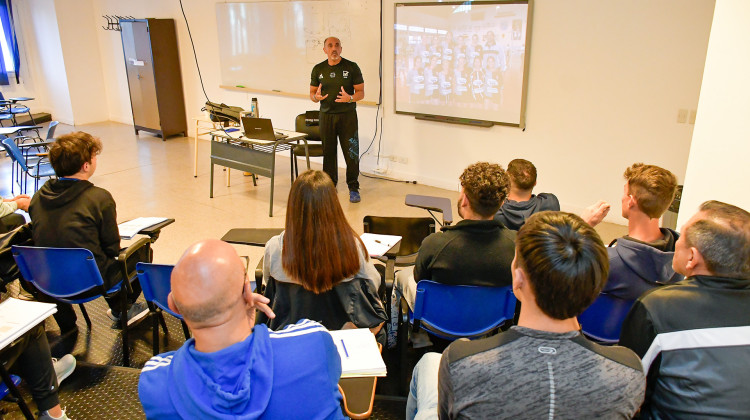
[464, 119]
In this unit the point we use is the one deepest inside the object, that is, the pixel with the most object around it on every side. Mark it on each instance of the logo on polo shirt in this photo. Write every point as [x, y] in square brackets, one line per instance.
[346, 74]
[321, 76]
[332, 75]
[547, 350]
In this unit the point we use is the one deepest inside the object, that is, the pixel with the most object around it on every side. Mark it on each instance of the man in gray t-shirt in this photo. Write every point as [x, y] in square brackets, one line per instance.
[544, 367]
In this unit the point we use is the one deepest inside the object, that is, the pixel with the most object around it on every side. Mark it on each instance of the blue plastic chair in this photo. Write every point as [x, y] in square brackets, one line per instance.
[483, 309]
[14, 392]
[10, 107]
[156, 285]
[37, 170]
[602, 320]
[63, 273]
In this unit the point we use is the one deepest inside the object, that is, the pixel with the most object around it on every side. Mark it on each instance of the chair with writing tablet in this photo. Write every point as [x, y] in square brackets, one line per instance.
[71, 275]
[412, 230]
[37, 169]
[602, 321]
[156, 285]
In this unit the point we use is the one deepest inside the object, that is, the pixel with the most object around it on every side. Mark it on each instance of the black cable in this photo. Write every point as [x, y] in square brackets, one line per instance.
[194, 53]
[200, 76]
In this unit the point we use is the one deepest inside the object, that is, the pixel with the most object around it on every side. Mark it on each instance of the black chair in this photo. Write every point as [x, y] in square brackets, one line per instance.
[412, 230]
[313, 134]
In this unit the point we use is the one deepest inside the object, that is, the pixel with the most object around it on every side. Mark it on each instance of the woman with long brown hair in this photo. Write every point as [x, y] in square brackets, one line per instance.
[318, 268]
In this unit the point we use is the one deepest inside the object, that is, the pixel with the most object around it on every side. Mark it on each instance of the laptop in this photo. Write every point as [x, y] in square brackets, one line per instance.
[260, 129]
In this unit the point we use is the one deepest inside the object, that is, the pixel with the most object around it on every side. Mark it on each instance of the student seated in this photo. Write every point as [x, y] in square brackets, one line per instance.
[642, 260]
[318, 268]
[544, 367]
[477, 250]
[29, 357]
[694, 335]
[9, 219]
[231, 368]
[521, 202]
[71, 212]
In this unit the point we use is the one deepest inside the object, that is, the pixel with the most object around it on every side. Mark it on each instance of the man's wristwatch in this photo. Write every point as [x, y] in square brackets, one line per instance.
[350, 98]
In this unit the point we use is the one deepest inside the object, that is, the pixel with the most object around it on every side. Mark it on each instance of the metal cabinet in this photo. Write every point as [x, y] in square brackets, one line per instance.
[152, 64]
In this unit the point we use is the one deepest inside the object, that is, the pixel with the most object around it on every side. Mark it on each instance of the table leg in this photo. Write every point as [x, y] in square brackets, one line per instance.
[273, 177]
[211, 188]
[307, 154]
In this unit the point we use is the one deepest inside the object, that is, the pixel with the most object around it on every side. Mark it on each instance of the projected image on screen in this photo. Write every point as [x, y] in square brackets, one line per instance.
[463, 60]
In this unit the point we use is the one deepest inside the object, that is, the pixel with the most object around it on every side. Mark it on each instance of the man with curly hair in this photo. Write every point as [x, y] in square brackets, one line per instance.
[476, 251]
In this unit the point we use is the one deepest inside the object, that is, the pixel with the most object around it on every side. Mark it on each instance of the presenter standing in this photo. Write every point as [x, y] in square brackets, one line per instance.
[337, 84]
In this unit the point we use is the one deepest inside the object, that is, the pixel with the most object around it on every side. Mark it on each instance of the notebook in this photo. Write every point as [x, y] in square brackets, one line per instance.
[360, 356]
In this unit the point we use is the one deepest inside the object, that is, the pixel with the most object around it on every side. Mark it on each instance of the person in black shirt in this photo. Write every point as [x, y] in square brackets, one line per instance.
[337, 83]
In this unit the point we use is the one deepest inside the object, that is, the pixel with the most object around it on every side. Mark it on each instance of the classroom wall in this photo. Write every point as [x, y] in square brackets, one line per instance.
[606, 82]
[83, 63]
[44, 54]
[717, 168]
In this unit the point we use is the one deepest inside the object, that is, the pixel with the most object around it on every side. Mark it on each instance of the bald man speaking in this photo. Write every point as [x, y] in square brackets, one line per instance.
[337, 84]
[232, 368]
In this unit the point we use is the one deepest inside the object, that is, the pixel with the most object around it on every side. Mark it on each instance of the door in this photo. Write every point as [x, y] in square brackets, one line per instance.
[136, 46]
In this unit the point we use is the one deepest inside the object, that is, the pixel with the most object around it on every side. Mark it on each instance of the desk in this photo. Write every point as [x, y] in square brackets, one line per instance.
[250, 155]
[6, 131]
[251, 236]
[430, 203]
[30, 314]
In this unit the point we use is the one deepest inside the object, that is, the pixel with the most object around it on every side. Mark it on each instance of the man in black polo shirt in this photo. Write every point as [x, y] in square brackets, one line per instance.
[337, 83]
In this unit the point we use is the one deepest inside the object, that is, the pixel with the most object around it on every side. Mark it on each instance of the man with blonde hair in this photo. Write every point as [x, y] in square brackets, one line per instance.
[642, 260]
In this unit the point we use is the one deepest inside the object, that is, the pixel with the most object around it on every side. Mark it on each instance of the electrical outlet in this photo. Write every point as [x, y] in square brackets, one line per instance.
[691, 118]
[682, 115]
[393, 158]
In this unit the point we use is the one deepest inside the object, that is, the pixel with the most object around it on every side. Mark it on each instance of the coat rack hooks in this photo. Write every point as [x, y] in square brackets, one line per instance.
[113, 22]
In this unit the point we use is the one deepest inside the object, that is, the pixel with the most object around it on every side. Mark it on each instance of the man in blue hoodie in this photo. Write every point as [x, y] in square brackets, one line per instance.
[232, 368]
[642, 260]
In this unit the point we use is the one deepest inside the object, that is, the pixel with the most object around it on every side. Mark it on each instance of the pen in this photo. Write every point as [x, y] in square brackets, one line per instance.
[378, 241]
[344, 346]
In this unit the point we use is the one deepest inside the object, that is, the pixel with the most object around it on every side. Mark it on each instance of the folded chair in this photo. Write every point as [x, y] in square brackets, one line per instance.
[156, 285]
[71, 275]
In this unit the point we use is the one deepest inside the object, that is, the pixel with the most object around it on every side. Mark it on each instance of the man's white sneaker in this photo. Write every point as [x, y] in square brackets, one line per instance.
[64, 367]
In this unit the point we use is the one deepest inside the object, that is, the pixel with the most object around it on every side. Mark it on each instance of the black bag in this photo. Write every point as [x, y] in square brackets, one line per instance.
[8, 268]
[222, 113]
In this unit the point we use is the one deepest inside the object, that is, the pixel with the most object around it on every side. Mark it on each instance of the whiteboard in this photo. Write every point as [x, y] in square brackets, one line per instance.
[273, 45]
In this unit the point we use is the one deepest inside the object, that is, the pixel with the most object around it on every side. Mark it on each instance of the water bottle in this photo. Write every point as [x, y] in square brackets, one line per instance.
[254, 108]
